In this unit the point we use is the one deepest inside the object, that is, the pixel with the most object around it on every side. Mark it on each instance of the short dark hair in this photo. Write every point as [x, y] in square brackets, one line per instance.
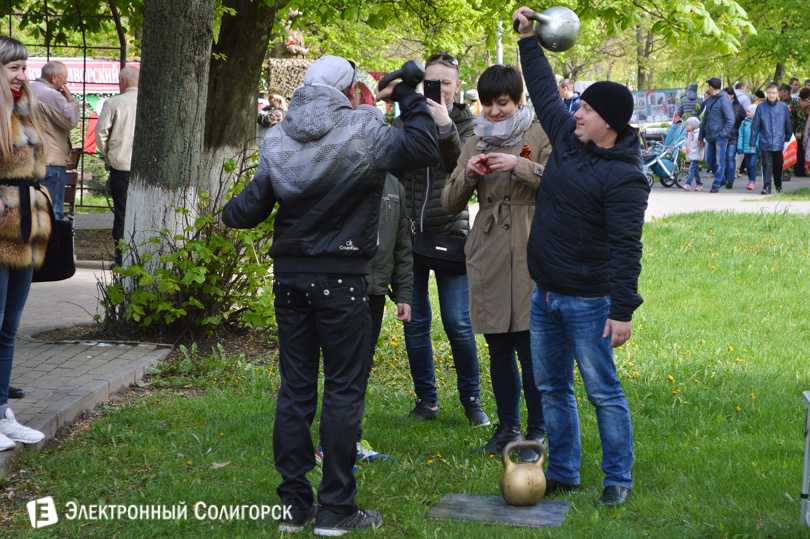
[771, 85]
[500, 80]
[729, 90]
[567, 84]
[792, 79]
[740, 84]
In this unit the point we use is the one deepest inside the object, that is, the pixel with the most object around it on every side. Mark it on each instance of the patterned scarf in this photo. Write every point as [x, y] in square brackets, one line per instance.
[505, 134]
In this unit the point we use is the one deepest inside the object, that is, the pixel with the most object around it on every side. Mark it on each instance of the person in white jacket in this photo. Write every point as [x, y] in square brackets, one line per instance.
[694, 153]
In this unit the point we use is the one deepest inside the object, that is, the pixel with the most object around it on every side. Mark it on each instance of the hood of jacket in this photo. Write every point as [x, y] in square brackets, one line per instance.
[691, 91]
[313, 112]
[461, 116]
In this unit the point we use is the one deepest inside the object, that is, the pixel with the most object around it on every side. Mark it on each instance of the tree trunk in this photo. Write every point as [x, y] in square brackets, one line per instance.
[640, 75]
[231, 107]
[167, 149]
[779, 73]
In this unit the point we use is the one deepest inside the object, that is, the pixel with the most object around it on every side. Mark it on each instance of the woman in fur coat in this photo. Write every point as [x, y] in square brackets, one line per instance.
[25, 218]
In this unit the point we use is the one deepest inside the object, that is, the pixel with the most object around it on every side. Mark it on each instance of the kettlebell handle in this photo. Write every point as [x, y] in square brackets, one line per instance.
[532, 16]
[520, 444]
[394, 75]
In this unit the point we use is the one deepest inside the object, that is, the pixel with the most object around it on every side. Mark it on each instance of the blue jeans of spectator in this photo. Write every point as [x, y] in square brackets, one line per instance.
[694, 173]
[454, 305]
[731, 163]
[317, 314]
[716, 159]
[750, 163]
[506, 380]
[14, 286]
[565, 329]
[55, 180]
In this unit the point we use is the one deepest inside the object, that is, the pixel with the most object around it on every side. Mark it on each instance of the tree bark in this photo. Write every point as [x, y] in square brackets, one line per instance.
[235, 70]
[167, 149]
[779, 73]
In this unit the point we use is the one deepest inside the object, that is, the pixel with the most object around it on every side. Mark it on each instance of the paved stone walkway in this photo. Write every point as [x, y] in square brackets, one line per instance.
[61, 379]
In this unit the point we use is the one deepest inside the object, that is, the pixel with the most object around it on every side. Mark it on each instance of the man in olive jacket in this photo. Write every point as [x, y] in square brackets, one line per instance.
[423, 191]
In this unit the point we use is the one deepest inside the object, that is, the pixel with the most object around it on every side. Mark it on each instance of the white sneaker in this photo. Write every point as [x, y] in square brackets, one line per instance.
[19, 433]
[6, 443]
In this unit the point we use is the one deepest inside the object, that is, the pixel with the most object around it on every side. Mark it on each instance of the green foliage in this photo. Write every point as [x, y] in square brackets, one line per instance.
[209, 276]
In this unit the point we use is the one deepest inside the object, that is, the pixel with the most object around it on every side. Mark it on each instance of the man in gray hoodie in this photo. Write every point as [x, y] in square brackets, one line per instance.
[690, 104]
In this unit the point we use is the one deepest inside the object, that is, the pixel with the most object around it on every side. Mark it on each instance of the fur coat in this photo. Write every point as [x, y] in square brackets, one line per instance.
[26, 165]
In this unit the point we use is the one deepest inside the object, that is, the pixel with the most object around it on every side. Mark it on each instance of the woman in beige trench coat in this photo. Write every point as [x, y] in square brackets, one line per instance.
[504, 163]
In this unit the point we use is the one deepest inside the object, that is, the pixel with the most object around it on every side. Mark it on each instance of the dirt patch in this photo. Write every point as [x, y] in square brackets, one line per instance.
[93, 244]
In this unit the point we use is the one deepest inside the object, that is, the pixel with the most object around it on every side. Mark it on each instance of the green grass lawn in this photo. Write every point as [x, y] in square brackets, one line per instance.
[713, 375]
[798, 194]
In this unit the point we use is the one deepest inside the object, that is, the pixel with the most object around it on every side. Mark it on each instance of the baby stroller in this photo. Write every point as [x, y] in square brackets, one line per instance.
[664, 159]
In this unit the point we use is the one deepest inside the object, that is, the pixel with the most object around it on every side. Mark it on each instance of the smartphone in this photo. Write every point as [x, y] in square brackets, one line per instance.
[433, 90]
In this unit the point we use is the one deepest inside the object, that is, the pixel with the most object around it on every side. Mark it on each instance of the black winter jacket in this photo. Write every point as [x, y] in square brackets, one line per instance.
[586, 233]
[325, 165]
[428, 211]
[718, 118]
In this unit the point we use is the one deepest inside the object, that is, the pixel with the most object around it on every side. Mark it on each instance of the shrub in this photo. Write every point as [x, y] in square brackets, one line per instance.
[208, 277]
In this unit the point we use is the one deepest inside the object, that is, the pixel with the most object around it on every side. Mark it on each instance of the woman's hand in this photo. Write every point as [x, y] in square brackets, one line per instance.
[439, 112]
[476, 166]
[502, 162]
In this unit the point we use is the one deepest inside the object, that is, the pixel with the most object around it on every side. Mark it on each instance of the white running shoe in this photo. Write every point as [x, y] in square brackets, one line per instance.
[6, 443]
[19, 433]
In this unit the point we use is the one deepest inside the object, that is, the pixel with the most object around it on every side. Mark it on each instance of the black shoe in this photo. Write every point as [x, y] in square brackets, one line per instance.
[423, 411]
[528, 454]
[15, 393]
[728, 186]
[552, 486]
[766, 191]
[614, 495]
[298, 520]
[778, 189]
[714, 189]
[472, 409]
[333, 524]
[503, 435]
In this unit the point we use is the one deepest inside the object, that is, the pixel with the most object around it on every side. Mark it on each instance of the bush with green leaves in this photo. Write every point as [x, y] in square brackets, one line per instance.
[209, 277]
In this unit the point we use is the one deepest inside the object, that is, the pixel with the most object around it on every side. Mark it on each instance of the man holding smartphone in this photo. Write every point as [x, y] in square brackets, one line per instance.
[423, 190]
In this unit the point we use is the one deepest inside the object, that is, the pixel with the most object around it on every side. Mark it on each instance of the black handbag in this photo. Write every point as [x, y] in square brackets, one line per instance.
[436, 251]
[59, 264]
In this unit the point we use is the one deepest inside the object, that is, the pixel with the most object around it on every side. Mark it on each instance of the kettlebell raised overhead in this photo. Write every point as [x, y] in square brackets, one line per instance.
[557, 27]
[411, 73]
[523, 484]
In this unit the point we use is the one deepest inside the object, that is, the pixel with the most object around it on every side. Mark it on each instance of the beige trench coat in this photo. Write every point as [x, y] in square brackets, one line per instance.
[499, 282]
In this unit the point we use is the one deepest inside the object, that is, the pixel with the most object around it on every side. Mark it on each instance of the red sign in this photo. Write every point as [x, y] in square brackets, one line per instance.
[92, 76]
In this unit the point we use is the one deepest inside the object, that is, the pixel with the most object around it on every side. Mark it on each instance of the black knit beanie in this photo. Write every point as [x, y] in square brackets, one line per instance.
[612, 101]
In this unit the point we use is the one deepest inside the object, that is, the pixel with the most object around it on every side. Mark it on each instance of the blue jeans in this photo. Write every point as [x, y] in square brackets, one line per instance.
[716, 159]
[731, 163]
[14, 286]
[506, 378]
[55, 180]
[750, 163]
[565, 329]
[694, 173]
[454, 304]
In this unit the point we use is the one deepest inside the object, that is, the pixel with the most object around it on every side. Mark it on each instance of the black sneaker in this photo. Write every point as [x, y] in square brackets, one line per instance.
[423, 411]
[300, 519]
[728, 186]
[714, 189]
[331, 524]
[552, 486]
[766, 191]
[778, 189]
[475, 415]
[528, 454]
[503, 435]
[614, 495]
